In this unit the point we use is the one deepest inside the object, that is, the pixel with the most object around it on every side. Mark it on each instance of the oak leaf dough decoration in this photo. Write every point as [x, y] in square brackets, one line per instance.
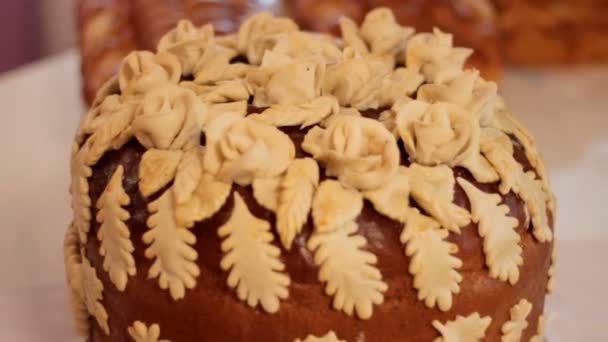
[187, 43]
[349, 271]
[433, 264]
[284, 80]
[329, 337]
[258, 28]
[463, 329]
[304, 114]
[255, 268]
[156, 169]
[433, 189]
[295, 198]
[433, 55]
[170, 246]
[393, 198]
[72, 262]
[115, 247]
[443, 133]
[170, 117]
[501, 242]
[356, 81]
[241, 150]
[359, 151]
[92, 294]
[143, 71]
[140, 332]
[334, 206]
[513, 329]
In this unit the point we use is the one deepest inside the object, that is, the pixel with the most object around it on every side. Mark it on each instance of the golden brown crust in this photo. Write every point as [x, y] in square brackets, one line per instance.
[212, 304]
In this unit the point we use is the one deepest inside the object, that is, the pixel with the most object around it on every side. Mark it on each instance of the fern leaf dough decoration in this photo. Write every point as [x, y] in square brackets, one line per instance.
[114, 236]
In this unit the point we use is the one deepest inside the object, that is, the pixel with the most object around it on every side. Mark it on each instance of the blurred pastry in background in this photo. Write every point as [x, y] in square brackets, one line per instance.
[472, 22]
[519, 31]
[110, 29]
[554, 31]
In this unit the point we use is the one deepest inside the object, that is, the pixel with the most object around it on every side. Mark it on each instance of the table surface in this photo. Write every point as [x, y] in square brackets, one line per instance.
[567, 109]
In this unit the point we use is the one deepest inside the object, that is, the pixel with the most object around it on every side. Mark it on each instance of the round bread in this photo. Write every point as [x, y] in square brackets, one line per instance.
[278, 185]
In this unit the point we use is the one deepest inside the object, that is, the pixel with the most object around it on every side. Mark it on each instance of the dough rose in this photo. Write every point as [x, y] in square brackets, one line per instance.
[438, 133]
[169, 117]
[241, 149]
[143, 71]
[361, 152]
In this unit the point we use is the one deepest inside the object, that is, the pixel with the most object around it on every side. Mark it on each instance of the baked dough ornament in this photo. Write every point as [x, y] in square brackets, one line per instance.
[359, 151]
[242, 149]
[114, 236]
[329, 337]
[540, 333]
[433, 55]
[170, 246]
[433, 264]
[140, 332]
[92, 294]
[255, 270]
[156, 169]
[513, 329]
[295, 198]
[348, 270]
[187, 43]
[503, 254]
[335, 205]
[470, 329]
[79, 193]
[73, 261]
[143, 71]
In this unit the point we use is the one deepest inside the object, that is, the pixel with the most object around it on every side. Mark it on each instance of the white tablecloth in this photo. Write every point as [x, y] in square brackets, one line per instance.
[40, 105]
